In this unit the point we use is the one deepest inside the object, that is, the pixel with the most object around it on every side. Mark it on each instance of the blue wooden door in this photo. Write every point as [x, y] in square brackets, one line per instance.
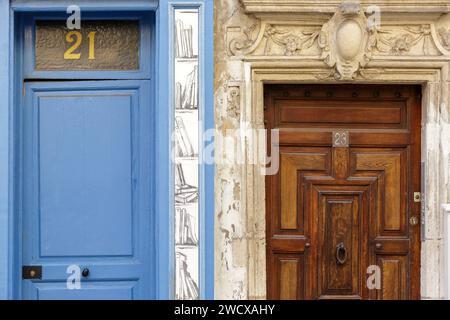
[87, 188]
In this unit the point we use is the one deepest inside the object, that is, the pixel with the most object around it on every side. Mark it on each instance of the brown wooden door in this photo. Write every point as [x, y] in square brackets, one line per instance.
[343, 198]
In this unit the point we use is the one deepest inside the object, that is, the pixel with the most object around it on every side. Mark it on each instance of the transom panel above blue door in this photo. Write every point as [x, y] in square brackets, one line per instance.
[86, 189]
[107, 46]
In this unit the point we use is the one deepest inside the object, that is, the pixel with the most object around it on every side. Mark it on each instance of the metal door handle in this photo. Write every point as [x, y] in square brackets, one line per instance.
[85, 272]
[341, 253]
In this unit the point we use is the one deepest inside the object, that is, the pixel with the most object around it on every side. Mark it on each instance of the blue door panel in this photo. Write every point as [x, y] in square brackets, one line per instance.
[85, 166]
[86, 188]
[116, 290]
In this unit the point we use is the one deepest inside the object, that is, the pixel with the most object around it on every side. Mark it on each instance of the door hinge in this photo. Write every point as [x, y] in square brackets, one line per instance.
[417, 197]
[31, 272]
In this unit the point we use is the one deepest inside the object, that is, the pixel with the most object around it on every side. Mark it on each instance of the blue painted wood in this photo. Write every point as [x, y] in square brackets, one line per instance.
[86, 181]
[209, 168]
[108, 290]
[85, 5]
[160, 70]
[16, 89]
[146, 22]
[5, 204]
[164, 174]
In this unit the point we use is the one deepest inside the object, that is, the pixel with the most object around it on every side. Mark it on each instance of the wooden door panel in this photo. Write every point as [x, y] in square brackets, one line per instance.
[394, 277]
[340, 213]
[361, 137]
[339, 225]
[291, 268]
[340, 163]
[294, 165]
[339, 113]
[332, 213]
[392, 196]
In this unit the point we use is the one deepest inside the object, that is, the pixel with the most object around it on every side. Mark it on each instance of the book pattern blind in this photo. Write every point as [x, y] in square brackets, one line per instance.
[186, 135]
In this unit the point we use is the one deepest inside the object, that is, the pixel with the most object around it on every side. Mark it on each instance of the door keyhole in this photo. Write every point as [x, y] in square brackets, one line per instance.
[341, 253]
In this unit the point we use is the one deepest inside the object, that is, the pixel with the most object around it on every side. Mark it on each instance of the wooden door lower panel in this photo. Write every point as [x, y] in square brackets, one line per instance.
[290, 283]
[340, 214]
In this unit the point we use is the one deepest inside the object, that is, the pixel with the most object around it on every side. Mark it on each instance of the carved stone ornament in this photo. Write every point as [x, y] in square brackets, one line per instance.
[347, 41]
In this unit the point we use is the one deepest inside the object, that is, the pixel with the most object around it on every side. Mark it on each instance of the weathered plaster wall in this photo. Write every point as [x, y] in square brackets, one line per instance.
[287, 40]
[231, 230]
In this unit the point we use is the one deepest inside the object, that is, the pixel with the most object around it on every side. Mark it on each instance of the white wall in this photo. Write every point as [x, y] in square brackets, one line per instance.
[446, 208]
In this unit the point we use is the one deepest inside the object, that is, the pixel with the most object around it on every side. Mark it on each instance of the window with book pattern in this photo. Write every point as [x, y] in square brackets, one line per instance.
[186, 136]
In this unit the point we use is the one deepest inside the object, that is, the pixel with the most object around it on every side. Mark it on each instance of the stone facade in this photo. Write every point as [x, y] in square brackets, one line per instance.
[323, 41]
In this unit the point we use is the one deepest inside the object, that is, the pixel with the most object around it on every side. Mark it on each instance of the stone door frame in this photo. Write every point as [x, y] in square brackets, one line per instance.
[434, 80]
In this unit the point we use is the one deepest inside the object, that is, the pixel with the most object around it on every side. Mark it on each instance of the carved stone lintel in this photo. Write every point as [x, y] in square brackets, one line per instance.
[346, 42]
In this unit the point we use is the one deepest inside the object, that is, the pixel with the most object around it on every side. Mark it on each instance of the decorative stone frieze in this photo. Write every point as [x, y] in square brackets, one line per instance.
[403, 41]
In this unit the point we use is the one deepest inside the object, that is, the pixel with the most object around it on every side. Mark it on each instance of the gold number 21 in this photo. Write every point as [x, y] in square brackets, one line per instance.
[76, 36]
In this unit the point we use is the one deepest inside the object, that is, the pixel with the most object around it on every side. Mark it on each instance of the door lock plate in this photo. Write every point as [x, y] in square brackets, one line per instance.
[413, 221]
[417, 197]
[31, 272]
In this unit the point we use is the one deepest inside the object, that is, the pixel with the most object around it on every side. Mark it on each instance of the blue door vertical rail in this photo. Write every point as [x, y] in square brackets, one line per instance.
[5, 203]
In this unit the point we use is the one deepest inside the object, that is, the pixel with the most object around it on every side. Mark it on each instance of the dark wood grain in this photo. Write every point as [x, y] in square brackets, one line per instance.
[358, 197]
